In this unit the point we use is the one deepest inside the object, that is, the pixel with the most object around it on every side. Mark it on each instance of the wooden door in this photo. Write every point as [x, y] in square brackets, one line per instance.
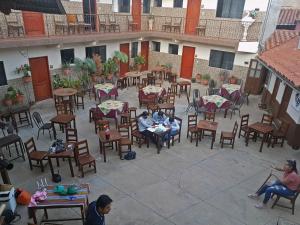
[136, 11]
[145, 53]
[40, 78]
[273, 100]
[192, 16]
[187, 62]
[124, 67]
[284, 104]
[33, 23]
[255, 78]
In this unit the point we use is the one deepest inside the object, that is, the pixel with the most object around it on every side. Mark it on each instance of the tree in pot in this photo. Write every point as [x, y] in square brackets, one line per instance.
[205, 78]
[120, 57]
[86, 66]
[110, 68]
[25, 69]
[66, 68]
[139, 61]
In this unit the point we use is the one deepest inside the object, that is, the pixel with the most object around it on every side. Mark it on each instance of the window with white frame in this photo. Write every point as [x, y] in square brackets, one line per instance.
[221, 59]
[173, 49]
[230, 8]
[156, 46]
[178, 4]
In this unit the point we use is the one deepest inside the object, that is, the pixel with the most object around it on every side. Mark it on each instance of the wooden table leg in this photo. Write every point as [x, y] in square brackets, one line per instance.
[262, 142]
[32, 214]
[74, 123]
[213, 139]
[104, 152]
[71, 166]
[54, 131]
[51, 166]
[247, 137]
[22, 150]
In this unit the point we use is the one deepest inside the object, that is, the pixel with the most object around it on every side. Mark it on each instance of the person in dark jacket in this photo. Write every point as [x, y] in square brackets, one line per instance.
[97, 210]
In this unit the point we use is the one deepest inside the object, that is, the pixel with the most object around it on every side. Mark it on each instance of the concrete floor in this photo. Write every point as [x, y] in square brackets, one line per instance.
[182, 185]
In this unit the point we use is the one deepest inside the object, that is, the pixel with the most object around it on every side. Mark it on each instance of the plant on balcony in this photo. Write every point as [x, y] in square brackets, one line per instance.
[205, 78]
[139, 60]
[25, 70]
[66, 68]
[10, 96]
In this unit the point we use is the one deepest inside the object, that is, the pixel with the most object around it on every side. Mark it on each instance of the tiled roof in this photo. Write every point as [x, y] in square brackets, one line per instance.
[288, 16]
[279, 37]
[285, 60]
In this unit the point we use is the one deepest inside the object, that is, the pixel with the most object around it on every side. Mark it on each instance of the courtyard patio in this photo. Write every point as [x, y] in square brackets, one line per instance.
[184, 184]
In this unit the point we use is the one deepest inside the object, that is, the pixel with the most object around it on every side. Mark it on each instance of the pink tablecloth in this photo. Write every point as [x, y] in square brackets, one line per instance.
[213, 102]
[230, 91]
[113, 92]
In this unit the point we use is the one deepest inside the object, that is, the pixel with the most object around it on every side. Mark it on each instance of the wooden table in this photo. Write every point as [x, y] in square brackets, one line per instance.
[210, 126]
[13, 139]
[62, 119]
[167, 106]
[67, 153]
[261, 128]
[134, 76]
[55, 201]
[61, 93]
[183, 87]
[159, 137]
[115, 136]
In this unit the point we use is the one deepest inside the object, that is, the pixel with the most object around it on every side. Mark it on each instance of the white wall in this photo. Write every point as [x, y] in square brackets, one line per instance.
[272, 83]
[249, 4]
[280, 92]
[295, 115]
[105, 1]
[170, 3]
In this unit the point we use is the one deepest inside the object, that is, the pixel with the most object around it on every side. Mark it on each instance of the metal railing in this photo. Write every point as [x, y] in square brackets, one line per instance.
[12, 26]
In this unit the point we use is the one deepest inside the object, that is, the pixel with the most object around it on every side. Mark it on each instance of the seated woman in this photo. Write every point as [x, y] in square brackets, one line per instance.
[158, 117]
[144, 123]
[173, 124]
[287, 186]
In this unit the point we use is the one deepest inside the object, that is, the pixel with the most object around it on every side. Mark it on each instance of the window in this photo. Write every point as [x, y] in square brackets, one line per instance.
[100, 50]
[134, 49]
[157, 3]
[178, 4]
[156, 46]
[230, 8]
[67, 55]
[124, 6]
[3, 80]
[146, 6]
[221, 59]
[254, 68]
[173, 49]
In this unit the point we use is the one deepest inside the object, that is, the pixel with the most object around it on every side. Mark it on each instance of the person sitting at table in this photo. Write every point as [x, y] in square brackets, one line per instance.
[158, 117]
[97, 210]
[286, 186]
[173, 125]
[144, 123]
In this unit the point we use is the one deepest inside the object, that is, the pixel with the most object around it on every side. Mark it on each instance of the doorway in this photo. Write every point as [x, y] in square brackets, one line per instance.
[145, 53]
[40, 78]
[124, 67]
[187, 62]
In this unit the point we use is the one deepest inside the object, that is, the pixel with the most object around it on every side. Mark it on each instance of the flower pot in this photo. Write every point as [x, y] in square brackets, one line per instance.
[67, 71]
[204, 82]
[198, 78]
[20, 99]
[139, 67]
[7, 102]
[94, 77]
[232, 81]
[26, 79]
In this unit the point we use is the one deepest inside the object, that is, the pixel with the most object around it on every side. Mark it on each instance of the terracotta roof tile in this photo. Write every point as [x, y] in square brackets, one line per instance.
[285, 60]
[279, 37]
[288, 16]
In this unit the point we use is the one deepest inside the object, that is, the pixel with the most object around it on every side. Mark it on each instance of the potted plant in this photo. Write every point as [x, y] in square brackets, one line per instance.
[86, 66]
[10, 96]
[232, 80]
[25, 69]
[120, 57]
[19, 97]
[198, 77]
[205, 78]
[139, 60]
[253, 13]
[223, 75]
[150, 22]
[109, 68]
[98, 62]
[66, 68]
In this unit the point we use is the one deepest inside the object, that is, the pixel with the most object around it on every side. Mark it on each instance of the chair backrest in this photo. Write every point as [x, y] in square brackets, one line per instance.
[82, 148]
[235, 128]
[192, 120]
[267, 119]
[196, 93]
[210, 116]
[30, 146]
[101, 124]
[71, 18]
[37, 119]
[59, 19]
[134, 125]
[80, 18]
[177, 21]
[245, 120]
[168, 20]
[171, 98]
[13, 18]
[112, 18]
[124, 130]
[102, 19]
[71, 135]
[174, 88]
[130, 19]
[152, 108]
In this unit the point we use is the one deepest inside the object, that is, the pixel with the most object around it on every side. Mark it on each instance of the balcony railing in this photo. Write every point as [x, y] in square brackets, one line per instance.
[12, 26]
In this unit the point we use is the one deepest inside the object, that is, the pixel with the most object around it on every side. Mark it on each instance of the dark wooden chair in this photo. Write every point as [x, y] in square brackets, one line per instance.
[41, 125]
[14, 24]
[125, 138]
[177, 136]
[135, 133]
[292, 200]
[279, 134]
[210, 116]
[34, 155]
[60, 24]
[176, 24]
[103, 22]
[80, 99]
[83, 156]
[82, 25]
[71, 135]
[167, 24]
[229, 136]
[113, 25]
[267, 119]
[171, 98]
[192, 127]
[100, 125]
[131, 24]
[244, 129]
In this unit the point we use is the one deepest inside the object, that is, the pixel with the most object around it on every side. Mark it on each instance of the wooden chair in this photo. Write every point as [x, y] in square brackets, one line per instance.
[176, 24]
[60, 23]
[210, 116]
[171, 98]
[152, 108]
[267, 119]
[14, 23]
[177, 136]
[102, 22]
[174, 88]
[200, 30]
[192, 127]
[72, 23]
[292, 199]
[230, 136]
[80, 99]
[71, 136]
[41, 125]
[100, 125]
[83, 156]
[135, 133]
[113, 23]
[131, 24]
[82, 25]
[244, 129]
[279, 134]
[34, 155]
[167, 24]
[125, 138]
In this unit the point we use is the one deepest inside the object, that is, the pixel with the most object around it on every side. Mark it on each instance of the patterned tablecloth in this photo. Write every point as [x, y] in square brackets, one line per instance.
[230, 88]
[111, 105]
[231, 91]
[214, 101]
[107, 87]
[150, 89]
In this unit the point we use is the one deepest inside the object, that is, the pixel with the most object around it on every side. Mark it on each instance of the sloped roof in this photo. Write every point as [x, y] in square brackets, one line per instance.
[285, 60]
[288, 16]
[279, 37]
[45, 6]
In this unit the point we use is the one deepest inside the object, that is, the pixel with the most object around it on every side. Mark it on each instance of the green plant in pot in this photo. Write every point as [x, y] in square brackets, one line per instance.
[66, 68]
[86, 66]
[205, 78]
[120, 57]
[139, 61]
[110, 68]
[26, 71]
[20, 97]
[10, 96]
